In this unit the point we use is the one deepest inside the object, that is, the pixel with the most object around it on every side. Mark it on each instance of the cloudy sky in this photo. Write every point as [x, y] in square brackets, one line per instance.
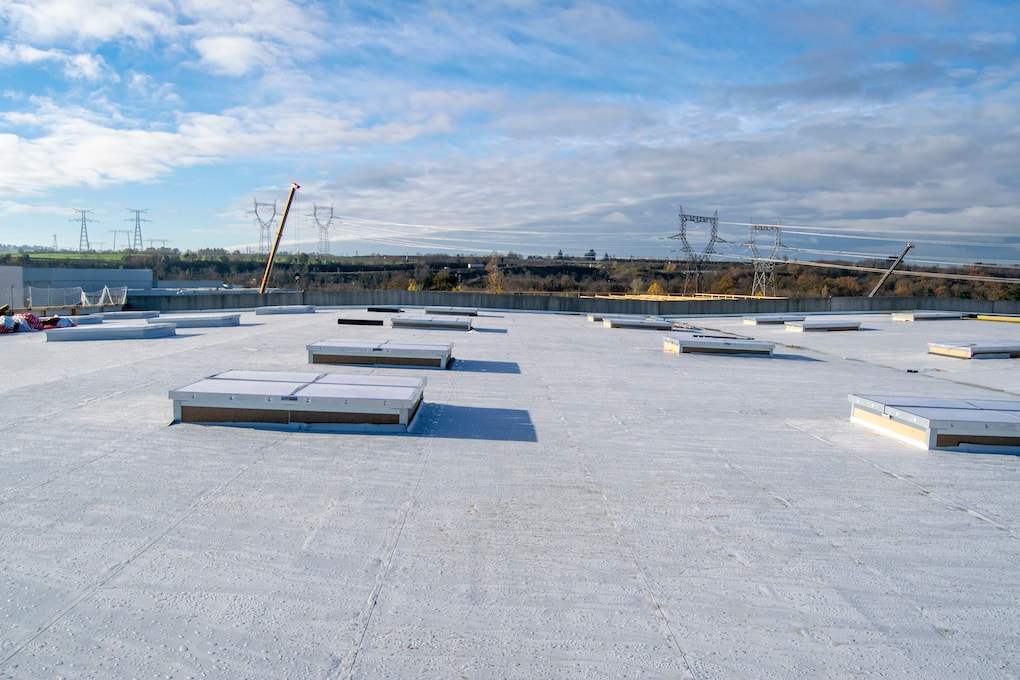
[524, 125]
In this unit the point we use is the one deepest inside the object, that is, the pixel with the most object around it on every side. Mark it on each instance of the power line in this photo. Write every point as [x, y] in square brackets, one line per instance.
[450, 238]
[964, 263]
[821, 231]
[910, 260]
[905, 272]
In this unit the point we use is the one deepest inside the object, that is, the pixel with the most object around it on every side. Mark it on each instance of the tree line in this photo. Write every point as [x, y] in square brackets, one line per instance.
[512, 273]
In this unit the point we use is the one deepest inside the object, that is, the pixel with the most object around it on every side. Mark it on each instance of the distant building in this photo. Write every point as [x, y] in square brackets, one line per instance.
[12, 286]
[86, 279]
[16, 282]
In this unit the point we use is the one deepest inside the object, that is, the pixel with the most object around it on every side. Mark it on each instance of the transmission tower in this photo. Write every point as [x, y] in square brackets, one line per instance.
[764, 267]
[137, 244]
[118, 231]
[265, 224]
[695, 259]
[324, 224]
[84, 219]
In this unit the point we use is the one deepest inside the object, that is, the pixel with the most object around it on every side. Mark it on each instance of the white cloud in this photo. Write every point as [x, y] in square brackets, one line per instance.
[11, 54]
[594, 23]
[237, 39]
[82, 153]
[149, 89]
[88, 67]
[230, 38]
[100, 147]
[82, 66]
[231, 55]
[55, 21]
[575, 116]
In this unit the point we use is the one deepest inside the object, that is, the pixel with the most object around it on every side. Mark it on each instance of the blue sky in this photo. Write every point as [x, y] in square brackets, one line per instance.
[526, 126]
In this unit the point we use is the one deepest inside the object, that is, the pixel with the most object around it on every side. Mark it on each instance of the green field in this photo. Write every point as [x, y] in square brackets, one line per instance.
[72, 257]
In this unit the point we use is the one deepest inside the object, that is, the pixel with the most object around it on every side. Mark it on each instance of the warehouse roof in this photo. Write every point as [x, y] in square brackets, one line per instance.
[570, 501]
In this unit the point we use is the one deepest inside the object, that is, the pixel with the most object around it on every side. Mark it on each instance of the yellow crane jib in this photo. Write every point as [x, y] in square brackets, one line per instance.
[885, 277]
[279, 234]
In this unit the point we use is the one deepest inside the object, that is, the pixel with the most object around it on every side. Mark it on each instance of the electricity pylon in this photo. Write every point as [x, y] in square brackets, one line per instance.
[764, 267]
[84, 219]
[323, 224]
[138, 243]
[694, 258]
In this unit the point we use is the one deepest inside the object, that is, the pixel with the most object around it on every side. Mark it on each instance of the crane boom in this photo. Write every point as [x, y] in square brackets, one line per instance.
[279, 234]
[885, 277]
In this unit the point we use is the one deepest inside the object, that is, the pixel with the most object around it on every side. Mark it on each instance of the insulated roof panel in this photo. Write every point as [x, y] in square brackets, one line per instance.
[260, 397]
[286, 309]
[86, 319]
[879, 403]
[822, 325]
[377, 393]
[345, 345]
[269, 388]
[941, 423]
[130, 314]
[970, 349]
[922, 315]
[382, 380]
[461, 311]
[708, 345]
[649, 324]
[766, 319]
[380, 353]
[995, 404]
[449, 323]
[112, 332]
[200, 320]
[274, 376]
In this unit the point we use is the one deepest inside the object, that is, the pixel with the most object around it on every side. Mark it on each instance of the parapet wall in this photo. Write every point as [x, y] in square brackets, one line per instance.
[246, 299]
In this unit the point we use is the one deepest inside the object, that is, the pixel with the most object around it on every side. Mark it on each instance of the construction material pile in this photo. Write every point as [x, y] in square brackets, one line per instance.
[27, 321]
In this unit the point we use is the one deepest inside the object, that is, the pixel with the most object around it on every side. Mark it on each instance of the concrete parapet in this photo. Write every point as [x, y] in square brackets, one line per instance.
[564, 304]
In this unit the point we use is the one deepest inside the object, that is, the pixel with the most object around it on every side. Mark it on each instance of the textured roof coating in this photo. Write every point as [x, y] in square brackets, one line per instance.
[572, 502]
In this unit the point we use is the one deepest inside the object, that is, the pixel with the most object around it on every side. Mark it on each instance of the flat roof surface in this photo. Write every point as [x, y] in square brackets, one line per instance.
[571, 502]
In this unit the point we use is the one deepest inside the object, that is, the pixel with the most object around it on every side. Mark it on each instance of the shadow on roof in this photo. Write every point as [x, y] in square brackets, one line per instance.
[444, 421]
[475, 329]
[475, 366]
[793, 357]
[475, 422]
[746, 356]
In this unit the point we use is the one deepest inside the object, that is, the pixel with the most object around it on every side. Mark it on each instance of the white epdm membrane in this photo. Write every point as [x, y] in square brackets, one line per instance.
[570, 503]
